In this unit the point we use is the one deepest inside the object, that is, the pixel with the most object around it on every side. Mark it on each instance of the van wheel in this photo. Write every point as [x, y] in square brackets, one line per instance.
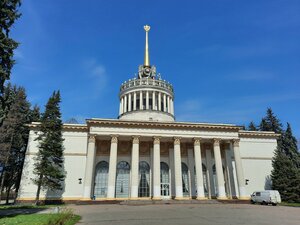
[264, 203]
[252, 202]
[274, 204]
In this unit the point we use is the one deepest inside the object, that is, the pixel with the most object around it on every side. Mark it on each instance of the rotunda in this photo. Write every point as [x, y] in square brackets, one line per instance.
[147, 96]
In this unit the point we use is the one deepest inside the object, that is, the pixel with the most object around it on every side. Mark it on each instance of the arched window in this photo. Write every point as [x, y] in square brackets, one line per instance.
[101, 177]
[122, 180]
[164, 179]
[144, 179]
[185, 180]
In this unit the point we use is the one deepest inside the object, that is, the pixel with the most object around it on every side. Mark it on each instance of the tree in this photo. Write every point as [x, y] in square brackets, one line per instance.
[289, 145]
[8, 14]
[13, 140]
[252, 126]
[271, 123]
[72, 121]
[48, 166]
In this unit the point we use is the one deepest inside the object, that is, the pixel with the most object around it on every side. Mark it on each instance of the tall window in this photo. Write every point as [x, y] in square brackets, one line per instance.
[122, 180]
[101, 177]
[144, 179]
[205, 181]
[185, 180]
[164, 179]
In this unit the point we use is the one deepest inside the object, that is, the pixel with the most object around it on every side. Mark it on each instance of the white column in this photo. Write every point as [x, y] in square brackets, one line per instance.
[239, 169]
[135, 168]
[164, 102]
[191, 163]
[121, 106]
[89, 167]
[198, 167]
[172, 180]
[172, 106]
[168, 101]
[141, 100]
[112, 168]
[177, 168]
[159, 101]
[134, 101]
[129, 102]
[125, 103]
[153, 101]
[156, 168]
[147, 99]
[219, 170]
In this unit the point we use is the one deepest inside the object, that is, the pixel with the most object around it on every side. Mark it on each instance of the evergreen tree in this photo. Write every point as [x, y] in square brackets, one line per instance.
[8, 14]
[271, 123]
[48, 166]
[35, 115]
[13, 140]
[289, 145]
[252, 126]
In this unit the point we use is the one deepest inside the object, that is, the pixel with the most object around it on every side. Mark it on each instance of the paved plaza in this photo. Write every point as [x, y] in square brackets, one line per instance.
[187, 214]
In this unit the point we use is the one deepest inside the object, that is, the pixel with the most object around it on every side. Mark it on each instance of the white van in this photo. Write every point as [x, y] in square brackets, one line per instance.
[266, 197]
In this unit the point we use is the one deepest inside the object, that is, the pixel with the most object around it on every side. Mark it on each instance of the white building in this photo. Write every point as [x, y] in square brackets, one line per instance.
[145, 153]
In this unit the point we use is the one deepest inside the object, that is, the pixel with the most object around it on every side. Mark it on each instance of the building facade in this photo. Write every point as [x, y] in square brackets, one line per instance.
[146, 154]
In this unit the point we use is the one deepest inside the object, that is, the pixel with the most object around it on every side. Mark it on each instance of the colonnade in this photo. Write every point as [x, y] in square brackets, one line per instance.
[146, 100]
[156, 182]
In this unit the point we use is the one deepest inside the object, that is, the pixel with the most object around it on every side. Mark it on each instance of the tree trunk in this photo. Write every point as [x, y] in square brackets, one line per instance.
[37, 199]
[7, 195]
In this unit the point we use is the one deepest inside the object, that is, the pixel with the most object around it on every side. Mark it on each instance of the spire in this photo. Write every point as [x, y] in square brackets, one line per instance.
[146, 59]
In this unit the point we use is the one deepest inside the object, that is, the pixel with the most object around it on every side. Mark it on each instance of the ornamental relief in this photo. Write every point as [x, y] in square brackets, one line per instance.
[124, 148]
[144, 148]
[103, 148]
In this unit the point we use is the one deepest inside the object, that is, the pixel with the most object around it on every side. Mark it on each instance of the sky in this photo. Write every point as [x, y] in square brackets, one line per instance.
[227, 60]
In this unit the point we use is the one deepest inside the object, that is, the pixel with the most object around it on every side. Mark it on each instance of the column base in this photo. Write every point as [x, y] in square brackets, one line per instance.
[201, 198]
[222, 198]
[156, 198]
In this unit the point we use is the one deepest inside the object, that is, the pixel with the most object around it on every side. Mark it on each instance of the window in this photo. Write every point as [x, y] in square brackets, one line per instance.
[122, 180]
[101, 178]
[185, 179]
[144, 179]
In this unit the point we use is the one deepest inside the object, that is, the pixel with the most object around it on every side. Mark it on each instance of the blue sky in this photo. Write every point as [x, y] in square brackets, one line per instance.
[228, 60]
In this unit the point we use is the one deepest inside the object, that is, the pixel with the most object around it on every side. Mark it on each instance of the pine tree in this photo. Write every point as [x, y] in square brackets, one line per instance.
[48, 166]
[271, 123]
[8, 14]
[252, 126]
[13, 140]
[289, 145]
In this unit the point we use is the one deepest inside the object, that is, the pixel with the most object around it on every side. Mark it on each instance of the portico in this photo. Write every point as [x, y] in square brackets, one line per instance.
[177, 165]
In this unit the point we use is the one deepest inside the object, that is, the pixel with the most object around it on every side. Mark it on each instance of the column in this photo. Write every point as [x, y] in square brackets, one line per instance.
[171, 106]
[209, 174]
[165, 103]
[168, 101]
[239, 169]
[134, 101]
[159, 101]
[141, 100]
[89, 167]
[219, 169]
[129, 102]
[177, 168]
[125, 103]
[156, 168]
[153, 101]
[147, 99]
[135, 168]
[112, 167]
[198, 167]
[191, 163]
[121, 106]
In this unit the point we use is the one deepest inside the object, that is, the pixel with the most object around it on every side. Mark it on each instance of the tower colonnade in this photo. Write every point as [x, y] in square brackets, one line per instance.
[196, 187]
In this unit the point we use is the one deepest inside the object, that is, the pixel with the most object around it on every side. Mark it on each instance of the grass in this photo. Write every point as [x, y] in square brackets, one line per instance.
[291, 204]
[66, 217]
[5, 207]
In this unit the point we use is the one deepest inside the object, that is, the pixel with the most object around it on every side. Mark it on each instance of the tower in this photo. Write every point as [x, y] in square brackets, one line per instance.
[146, 97]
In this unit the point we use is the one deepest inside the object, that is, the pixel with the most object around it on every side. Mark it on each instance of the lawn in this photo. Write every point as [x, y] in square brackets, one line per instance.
[294, 204]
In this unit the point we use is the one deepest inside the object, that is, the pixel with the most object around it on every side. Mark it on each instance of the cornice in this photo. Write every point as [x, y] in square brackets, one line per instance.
[155, 124]
[66, 127]
[258, 134]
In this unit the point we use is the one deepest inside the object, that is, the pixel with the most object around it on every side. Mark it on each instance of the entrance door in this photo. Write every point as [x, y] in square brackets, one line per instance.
[122, 180]
[101, 177]
[164, 180]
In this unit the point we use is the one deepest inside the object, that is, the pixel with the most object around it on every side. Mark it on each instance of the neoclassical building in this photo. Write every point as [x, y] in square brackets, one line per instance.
[146, 154]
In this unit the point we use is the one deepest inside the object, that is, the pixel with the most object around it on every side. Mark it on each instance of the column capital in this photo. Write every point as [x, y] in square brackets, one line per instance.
[114, 138]
[156, 140]
[236, 142]
[176, 140]
[197, 141]
[217, 141]
[92, 138]
[135, 139]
